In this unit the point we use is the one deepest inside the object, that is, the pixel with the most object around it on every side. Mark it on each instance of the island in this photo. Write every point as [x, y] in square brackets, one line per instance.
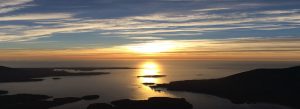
[151, 76]
[2, 92]
[35, 101]
[8, 74]
[91, 68]
[276, 86]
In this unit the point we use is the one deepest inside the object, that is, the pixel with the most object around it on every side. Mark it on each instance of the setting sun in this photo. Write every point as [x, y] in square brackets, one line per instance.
[150, 68]
[149, 65]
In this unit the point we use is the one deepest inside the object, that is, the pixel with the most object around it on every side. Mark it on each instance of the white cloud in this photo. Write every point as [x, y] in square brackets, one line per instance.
[226, 45]
[5, 3]
[11, 26]
[164, 24]
[146, 38]
[210, 9]
[47, 16]
[176, 17]
[8, 9]
[280, 11]
[12, 5]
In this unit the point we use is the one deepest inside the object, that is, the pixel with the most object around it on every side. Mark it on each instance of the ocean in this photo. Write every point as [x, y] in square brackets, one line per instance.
[124, 83]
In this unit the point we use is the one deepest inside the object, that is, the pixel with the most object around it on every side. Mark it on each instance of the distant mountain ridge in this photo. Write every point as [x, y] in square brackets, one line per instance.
[35, 74]
[3, 67]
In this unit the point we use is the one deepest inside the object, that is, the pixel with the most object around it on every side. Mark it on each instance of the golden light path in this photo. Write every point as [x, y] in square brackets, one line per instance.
[149, 68]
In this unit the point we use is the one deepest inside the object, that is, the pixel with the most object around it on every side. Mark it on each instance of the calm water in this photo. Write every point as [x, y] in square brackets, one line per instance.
[125, 84]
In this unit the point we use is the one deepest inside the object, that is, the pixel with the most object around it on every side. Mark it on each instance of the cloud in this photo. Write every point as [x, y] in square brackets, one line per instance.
[226, 45]
[280, 11]
[146, 38]
[12, 5]
[27, 17]
[8, 9]
[235, 48]
[211, 9]
[51, 23]
[193, 21]
[5, 3]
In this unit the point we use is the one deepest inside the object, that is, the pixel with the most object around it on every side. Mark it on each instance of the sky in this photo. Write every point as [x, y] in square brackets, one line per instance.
[142, 29]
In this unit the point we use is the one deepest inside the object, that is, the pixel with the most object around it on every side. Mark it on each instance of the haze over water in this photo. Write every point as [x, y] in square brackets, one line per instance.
[124, 83]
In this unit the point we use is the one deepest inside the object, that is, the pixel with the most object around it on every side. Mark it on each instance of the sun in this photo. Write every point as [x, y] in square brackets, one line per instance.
[150, 65]
[150, 68]
[153, 47]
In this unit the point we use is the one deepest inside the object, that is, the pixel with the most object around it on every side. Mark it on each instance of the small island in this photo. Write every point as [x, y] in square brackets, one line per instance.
[148, 84]
[151, 76]
[276, 86]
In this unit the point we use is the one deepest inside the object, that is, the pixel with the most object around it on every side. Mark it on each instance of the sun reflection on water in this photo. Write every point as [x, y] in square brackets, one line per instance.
[149, 68]
[146, 69]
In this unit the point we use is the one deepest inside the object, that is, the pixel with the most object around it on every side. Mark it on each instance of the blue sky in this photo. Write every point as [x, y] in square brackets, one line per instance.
[198, 25]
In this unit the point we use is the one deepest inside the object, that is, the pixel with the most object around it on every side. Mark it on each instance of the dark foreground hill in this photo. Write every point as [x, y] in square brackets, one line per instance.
[34, 101]
[277, 86]
[34, 74]
[151, 103]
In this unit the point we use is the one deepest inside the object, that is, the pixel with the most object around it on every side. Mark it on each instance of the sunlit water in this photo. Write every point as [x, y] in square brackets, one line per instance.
[124, 83]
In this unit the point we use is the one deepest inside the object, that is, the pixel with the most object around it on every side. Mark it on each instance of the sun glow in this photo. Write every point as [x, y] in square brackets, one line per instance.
[150, 68]
[153, 47]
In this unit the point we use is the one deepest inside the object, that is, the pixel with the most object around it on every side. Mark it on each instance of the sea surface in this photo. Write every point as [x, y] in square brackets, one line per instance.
[124, 83]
